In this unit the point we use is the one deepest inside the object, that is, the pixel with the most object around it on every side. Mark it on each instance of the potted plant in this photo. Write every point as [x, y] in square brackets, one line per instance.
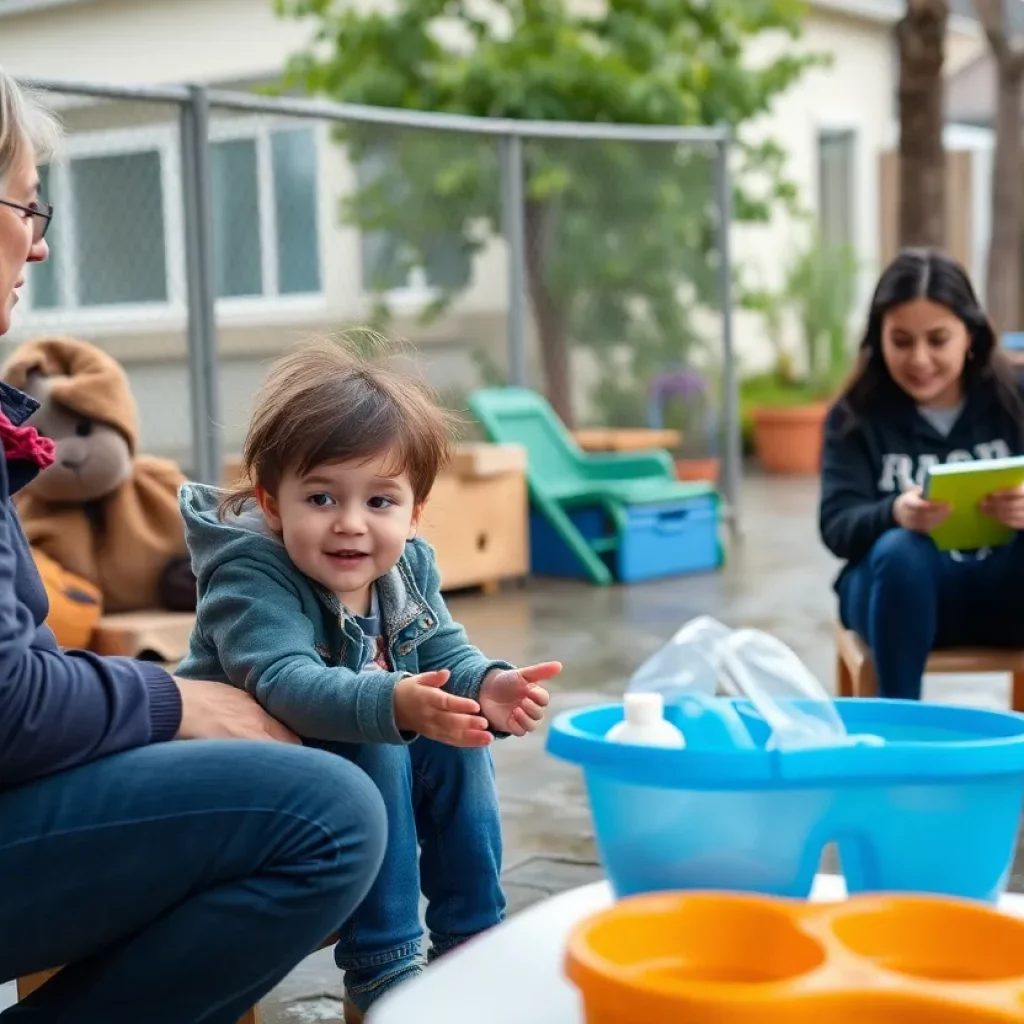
[820, 291]
[685, 396]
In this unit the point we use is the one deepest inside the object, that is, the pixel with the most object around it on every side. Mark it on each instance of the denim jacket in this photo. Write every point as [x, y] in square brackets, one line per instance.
[265, 627]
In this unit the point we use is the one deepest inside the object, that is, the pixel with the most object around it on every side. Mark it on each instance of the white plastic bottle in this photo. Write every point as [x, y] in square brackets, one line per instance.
[645, 723]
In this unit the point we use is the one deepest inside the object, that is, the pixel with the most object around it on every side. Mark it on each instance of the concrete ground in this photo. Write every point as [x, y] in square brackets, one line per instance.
[777, 578]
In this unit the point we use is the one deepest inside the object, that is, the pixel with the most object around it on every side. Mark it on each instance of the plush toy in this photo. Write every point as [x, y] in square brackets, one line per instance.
[75, 604]
[100, 512]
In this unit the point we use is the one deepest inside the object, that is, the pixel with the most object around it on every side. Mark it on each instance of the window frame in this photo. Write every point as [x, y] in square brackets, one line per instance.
[165, 141]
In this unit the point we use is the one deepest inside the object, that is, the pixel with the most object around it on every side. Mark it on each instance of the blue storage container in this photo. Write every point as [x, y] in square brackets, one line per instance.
[656, 540]
[934, 809]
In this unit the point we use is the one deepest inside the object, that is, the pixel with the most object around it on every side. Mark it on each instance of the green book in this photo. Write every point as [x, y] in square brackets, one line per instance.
[963, 485]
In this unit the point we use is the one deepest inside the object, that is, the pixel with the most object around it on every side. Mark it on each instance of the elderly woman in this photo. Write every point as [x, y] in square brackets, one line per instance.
[179, 881]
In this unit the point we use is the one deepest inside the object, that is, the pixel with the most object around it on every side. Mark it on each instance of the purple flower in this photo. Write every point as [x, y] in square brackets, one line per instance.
[676, 384]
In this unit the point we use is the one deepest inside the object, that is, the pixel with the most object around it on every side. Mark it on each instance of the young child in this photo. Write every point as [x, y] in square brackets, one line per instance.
[316, 596]
[931, 386]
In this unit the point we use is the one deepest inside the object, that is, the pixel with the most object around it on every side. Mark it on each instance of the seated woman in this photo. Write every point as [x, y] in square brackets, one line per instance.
[930, 386]
[177, 881]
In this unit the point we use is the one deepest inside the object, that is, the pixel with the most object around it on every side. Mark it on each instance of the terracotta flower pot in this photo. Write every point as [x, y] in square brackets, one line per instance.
[697, 469]
[788, 439]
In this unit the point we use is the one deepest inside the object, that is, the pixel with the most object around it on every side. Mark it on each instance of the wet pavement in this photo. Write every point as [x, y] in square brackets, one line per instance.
[777, 578]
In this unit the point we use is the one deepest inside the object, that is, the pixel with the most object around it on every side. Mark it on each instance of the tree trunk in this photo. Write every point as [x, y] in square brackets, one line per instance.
[1004, 262]
[921, 35]
[1003, 272]
[550, 317]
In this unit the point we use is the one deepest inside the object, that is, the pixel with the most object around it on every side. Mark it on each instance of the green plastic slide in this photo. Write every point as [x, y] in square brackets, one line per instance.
[561, 476]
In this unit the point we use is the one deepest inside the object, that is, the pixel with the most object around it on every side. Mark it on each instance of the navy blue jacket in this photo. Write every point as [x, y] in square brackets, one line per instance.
[60, 708]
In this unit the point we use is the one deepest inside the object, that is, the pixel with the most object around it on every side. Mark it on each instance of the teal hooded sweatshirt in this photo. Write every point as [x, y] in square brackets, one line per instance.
[264, 627]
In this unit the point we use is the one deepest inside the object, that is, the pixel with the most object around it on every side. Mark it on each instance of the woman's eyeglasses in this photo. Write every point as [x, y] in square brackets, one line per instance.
[42, 214]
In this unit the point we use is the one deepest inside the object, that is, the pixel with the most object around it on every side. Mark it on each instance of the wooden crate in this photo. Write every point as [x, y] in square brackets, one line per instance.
[231, 470]
[155, 634]
[477, 517]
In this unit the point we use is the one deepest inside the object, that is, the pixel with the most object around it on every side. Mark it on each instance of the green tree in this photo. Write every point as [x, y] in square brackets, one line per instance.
[619, 236]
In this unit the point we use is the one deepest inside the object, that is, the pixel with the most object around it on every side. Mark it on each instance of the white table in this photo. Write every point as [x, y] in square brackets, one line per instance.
[513, 973]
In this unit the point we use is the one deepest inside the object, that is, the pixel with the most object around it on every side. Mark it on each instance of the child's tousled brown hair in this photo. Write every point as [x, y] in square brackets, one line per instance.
[327, 402]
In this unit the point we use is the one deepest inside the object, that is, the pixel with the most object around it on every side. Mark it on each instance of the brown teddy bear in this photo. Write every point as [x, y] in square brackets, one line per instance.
[100, 512]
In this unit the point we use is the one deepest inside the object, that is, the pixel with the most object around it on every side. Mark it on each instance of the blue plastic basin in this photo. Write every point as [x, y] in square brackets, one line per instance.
[934, 809]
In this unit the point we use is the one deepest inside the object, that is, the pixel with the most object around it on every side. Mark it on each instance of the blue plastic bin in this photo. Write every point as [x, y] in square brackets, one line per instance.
[935, 809]
[657, 540]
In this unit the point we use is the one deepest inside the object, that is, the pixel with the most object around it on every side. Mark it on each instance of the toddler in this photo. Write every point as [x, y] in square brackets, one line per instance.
[316, 596]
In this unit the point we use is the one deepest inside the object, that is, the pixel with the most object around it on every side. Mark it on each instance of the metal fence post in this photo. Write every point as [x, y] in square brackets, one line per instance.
[512, 198]
[204, 388]
[732, 439]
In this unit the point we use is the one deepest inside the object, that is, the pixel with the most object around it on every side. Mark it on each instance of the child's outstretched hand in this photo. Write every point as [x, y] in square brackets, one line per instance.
[511, 700]
[422, 706]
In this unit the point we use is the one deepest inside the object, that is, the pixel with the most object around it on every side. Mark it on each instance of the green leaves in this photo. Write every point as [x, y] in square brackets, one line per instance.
[620, 236]
[821, 287]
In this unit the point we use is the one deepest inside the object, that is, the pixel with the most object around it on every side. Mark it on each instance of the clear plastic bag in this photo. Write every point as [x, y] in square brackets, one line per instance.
[706, 658]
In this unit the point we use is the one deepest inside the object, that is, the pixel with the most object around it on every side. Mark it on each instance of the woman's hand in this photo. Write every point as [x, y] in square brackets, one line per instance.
[219, 711]
[913, 512]
[1007, 507]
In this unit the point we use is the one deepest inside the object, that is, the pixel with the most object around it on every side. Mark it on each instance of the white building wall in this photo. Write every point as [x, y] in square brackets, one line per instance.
[128, 41]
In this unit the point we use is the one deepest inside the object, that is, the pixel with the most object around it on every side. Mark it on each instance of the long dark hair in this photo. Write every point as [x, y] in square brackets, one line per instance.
[927, 274]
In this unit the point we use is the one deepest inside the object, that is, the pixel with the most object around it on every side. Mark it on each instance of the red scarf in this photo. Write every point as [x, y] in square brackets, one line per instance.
[25, 444]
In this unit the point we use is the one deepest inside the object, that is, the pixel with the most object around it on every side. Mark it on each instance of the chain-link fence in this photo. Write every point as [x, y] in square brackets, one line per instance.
[199, 233]
[621, 266]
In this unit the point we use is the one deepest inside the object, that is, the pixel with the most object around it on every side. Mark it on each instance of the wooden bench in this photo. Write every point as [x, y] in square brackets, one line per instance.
[31, 982]
[855, 671]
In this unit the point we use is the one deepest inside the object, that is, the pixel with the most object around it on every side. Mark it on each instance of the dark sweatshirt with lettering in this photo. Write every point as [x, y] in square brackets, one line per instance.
[869, 460]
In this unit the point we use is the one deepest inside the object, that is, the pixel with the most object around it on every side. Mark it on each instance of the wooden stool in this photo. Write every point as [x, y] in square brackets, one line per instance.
[855, 672]
[28, 985]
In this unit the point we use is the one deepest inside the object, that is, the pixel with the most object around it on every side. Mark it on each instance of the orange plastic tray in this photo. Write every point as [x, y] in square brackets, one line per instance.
[746, 959]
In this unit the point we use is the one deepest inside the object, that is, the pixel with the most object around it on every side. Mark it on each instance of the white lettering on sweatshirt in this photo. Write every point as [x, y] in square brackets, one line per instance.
[899, 472]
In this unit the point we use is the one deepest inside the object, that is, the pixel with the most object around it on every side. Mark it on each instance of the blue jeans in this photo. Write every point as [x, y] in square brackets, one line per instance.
[180, 881]
[907, 598]
[442, 803]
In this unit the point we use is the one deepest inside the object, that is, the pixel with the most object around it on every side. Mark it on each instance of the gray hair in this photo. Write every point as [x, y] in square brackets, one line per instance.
[24, 120]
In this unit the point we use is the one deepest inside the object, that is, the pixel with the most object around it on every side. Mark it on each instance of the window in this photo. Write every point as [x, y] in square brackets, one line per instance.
[293, 157]
[274, 251]
[391, 264]
[836, 156]
[108, 241]
[117, 241]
